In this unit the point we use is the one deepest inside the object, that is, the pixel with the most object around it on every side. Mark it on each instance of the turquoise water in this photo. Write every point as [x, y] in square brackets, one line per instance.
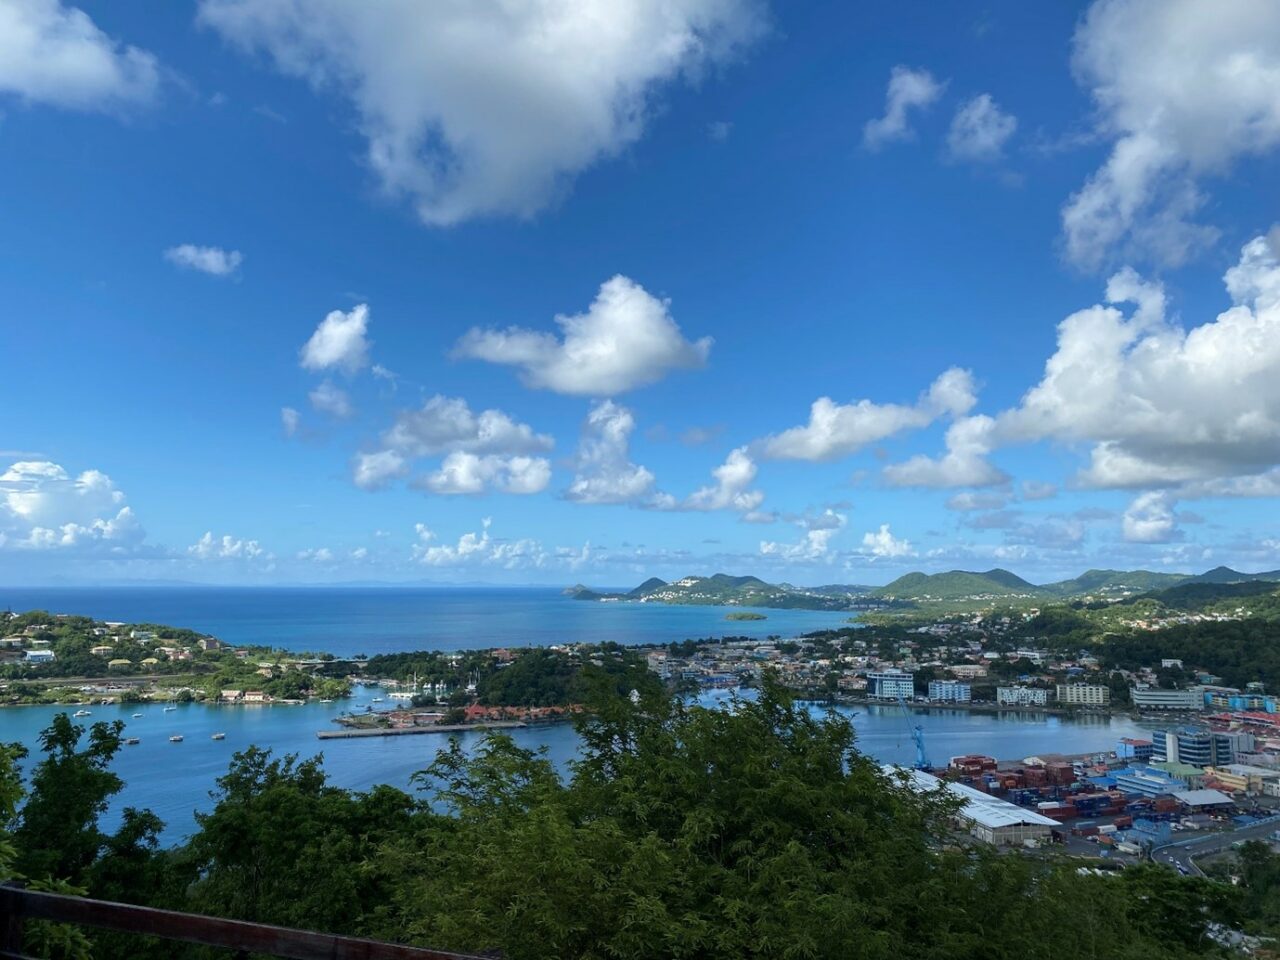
[370, 620]
[174, 780]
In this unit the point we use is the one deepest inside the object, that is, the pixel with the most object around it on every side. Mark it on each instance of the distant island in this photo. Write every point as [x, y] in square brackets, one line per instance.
[954, 589]
[745, 615]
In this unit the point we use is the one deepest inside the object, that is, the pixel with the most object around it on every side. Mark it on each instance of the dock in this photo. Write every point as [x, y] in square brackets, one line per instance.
[353, 734]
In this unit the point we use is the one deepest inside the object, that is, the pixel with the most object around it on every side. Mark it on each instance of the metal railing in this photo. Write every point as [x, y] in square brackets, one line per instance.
[18, 905]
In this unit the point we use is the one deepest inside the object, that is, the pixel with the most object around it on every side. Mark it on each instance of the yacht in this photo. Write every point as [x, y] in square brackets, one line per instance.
[132, 742]
[167, 709]
[81, 713]
[137, 716]
[176, 738]
[218, 736]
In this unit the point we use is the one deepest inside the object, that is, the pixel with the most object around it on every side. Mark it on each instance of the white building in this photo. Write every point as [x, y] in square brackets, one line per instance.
[891, 684]
[1022, 696]
[40, 656]
[988, 818]
[1084, 694]
[1153, 698]
[950, 691]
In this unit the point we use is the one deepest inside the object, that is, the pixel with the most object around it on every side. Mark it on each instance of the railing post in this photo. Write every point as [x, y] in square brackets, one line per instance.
[10, 917]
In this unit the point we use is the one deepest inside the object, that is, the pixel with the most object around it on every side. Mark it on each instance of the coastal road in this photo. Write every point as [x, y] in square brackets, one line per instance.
[1181, 854]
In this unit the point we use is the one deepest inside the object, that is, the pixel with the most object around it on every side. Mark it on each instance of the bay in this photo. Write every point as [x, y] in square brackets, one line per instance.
[174, 779]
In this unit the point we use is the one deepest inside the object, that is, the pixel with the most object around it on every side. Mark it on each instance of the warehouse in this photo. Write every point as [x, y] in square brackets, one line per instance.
[988, 818]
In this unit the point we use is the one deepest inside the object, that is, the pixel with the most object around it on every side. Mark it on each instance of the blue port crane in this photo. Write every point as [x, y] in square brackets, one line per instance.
[917, 736]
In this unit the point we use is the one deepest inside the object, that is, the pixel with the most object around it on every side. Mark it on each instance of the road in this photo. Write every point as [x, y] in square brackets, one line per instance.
[1182, 853]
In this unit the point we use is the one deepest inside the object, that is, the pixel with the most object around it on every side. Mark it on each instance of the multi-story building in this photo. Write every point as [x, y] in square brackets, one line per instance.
[1083, 694]
[1243, 777]
[891, 684]
[1022, 696]
[1134, 748]
[950, 691]
[1153, 698]
[1147, 782]
[1199, 746]
[1226, 698]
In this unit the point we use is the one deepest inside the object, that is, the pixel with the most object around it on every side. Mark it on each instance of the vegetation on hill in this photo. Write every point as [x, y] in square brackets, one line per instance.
[958, 584]
[1114, 583]
[681, 832]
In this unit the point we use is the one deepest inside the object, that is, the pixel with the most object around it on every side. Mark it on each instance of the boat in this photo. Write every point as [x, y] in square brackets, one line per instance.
[376, 700]
[326, 701]
[176, 738]
[132, 742]
[218, 736]
[137, 716]
[81, 713]
[167, 709]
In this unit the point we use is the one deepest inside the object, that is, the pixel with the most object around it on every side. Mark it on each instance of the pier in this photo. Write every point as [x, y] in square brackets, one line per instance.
[351, 734]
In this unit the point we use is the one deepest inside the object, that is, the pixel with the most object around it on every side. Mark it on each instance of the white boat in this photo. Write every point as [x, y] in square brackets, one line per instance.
[176, 738]
[376, 700]
[82, 713]
[132, 742]
[167, 709]
[137, 716]
[218, 736]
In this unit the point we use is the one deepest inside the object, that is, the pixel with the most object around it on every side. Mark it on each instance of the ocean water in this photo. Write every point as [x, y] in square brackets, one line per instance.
[350, 620]
[174, 779]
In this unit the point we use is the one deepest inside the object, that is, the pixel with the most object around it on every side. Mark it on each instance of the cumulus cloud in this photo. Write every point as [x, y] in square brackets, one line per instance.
[321, 555]
[605, 473]
[477, 549]
[883, 544]
[490, 109]
[373, 471]
[979, 130]
[339, 342]
[468, 473]
[836, 430]
[290, 421]
[968, 440]
[225, 547]
[627, 338]
[211, 260]
[1150, 519]
[42, 506]
[971, 500]
[1160, 404]
[731, 491]
[908, 91]
[331, 399]
[53, 53]
[815, 545]
[1183, 89]
[448, 424]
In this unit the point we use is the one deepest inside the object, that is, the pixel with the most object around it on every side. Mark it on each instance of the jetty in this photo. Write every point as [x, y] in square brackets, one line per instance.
[356, 732]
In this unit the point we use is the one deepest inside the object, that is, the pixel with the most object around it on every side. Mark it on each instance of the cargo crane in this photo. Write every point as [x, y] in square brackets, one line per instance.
[917, 736]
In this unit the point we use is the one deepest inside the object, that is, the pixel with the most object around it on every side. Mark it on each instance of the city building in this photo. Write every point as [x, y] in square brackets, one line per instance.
[1022, 696]
[1199, 746]
[1135, 749]
[1242, 777]
[1147, 782]
[40, 656]
[1226, 698]
[988, 818]
[1153, 698]
[950, 691]
[891, 684]
[1083, 694]
[1203, 801]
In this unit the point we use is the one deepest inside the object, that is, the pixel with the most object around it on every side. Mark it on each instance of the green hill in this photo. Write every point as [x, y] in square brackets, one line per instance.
[649, 586]
[960, 585]
[1227, 575]
[1115, 583]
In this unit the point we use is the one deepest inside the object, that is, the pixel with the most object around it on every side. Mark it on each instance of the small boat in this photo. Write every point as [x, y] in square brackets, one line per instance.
[82, 713]
[137, 716]
[132, 742]
[168, 709]
[218, 736]
[176, 738]
[326, 701]
[376, 700]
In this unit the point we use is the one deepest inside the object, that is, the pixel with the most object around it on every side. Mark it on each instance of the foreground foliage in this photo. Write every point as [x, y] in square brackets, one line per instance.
[682, 832]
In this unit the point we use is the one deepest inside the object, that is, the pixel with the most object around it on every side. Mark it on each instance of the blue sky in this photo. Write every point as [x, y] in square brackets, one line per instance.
[592, 291]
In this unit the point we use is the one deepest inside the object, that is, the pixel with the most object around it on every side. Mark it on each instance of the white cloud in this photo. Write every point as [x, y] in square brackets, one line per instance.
[338, 342]
[290, 421]
[373, 471]
[731, 489]
[44, 507]
[605, 473]
[331, 399]
[1038, 490]
[971, 500]
[477, 549]
[446, 424]
[211, 260]
[1150, 519]
[53, 53]
[814, 545]
[359, 553]
[1184, 88]
[909, 90]
[490, 109]
[837, 430]
[225, 547]
[466, 473]
[626, 339]
[317, 555]
[969, 440]
[883, 544]
[979, 130]
[1163, 405]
